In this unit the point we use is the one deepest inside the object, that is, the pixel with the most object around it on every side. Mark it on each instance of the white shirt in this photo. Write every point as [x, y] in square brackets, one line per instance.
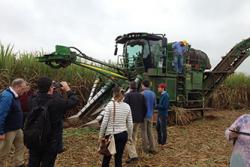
[14, 92]
[123, 119]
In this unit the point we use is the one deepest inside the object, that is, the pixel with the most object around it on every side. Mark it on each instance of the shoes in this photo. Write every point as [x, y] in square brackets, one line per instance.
[152, 152]
[62, 150]
[162, 146]
[131, 160]
[21, 165]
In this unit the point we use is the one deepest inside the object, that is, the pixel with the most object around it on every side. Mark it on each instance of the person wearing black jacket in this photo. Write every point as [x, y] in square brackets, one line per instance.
[137, 104]
[45, 157]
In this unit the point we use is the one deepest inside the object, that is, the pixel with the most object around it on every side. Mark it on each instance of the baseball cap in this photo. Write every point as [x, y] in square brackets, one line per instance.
[162, 85]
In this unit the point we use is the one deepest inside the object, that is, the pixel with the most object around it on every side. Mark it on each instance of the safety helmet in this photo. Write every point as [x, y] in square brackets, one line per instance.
[184, 42]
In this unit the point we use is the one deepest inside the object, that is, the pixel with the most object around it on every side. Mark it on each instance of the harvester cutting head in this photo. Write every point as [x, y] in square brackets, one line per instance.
[62, 57]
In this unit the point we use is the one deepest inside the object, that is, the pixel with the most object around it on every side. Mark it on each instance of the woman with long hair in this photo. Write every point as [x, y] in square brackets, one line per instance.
[117, 121]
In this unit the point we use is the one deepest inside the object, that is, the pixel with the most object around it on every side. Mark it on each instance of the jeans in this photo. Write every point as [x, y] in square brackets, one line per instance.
[178, 63]
[120, 142]
[42, 158]
[161, 128]
[148, 141]
[25, 115]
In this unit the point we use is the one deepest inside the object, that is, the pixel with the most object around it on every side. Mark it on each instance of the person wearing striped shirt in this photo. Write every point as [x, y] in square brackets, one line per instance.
[121, 126]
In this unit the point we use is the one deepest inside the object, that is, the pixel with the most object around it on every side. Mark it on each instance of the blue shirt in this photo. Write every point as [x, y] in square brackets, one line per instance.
[150, 102]
[178, 49]
[11, 116]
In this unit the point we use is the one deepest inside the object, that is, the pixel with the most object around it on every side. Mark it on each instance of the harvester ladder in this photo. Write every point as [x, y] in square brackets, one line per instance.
[180, 88]
[227, 66]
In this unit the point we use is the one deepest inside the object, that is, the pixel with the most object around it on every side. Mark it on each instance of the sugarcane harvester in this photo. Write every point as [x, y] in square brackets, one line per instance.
[150, 56]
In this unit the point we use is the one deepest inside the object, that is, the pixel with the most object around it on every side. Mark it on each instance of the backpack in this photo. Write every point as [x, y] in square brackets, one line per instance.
[37, 126]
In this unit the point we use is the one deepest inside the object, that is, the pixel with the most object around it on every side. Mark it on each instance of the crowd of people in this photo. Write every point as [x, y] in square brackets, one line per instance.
[134, 111]
[124, 116]
[12, 128]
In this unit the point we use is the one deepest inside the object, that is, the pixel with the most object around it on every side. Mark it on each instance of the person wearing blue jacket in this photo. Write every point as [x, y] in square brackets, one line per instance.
[148, 140]
[11, 122]
[179, 49]
[162, 107]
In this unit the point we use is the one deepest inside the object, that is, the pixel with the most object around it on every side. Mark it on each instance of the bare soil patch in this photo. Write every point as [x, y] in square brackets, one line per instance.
[199, 144]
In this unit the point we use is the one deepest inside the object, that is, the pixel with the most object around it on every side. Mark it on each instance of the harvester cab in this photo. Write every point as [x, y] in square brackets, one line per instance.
[142, 51]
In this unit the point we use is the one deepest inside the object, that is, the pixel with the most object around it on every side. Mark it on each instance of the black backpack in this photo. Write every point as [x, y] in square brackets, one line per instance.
[37, 126]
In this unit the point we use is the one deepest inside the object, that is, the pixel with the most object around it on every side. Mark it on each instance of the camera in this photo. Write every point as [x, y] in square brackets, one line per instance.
[57, 84]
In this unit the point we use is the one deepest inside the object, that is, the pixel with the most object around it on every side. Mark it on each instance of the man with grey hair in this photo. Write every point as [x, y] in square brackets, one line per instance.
[11, 122]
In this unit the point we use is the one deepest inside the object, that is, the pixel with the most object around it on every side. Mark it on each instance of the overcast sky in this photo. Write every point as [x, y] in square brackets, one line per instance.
[213, 26]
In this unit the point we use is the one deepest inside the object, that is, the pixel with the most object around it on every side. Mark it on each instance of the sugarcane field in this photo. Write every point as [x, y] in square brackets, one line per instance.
[124, 83]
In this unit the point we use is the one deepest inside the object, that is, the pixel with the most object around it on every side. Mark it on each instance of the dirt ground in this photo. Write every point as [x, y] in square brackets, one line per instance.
[199, 144]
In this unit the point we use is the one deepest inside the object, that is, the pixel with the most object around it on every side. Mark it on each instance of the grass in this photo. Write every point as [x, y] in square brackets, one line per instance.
[24, 65]
[238, 80]
[79, 131]
[234, 93]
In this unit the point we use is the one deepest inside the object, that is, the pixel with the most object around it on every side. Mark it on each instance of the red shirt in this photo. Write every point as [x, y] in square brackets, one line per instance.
[24, 100]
